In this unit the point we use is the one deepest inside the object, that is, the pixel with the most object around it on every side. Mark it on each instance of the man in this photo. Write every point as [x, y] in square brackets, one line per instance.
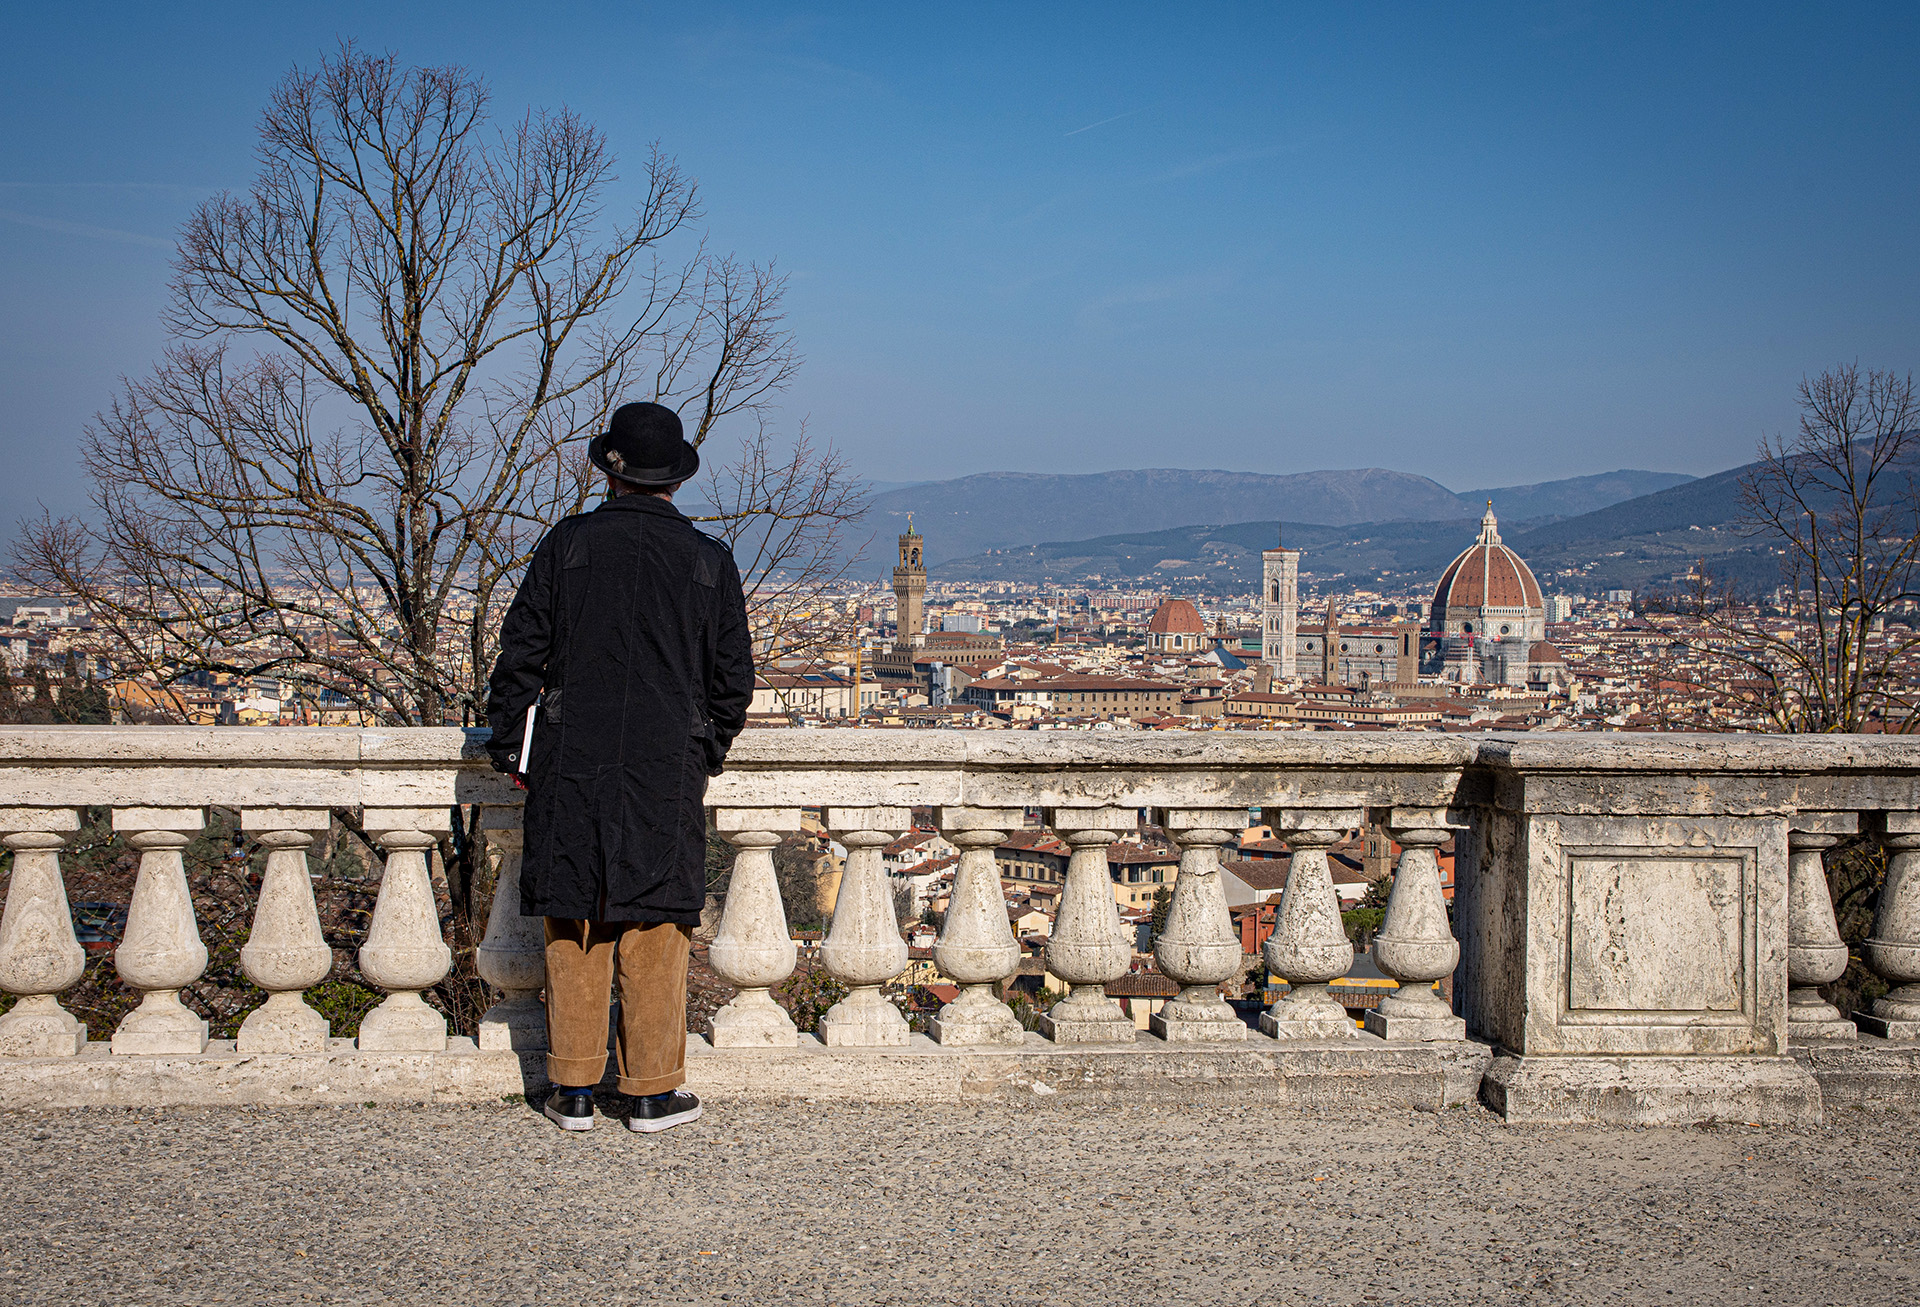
[630, 632]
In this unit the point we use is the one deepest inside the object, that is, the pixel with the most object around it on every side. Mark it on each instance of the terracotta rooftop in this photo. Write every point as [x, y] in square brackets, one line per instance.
[1177, 617]
[1124, 852]
[1486, 574]
[1260, 873]
[1142, 984]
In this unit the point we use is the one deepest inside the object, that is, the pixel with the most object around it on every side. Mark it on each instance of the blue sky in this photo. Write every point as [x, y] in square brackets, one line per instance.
[1487, 243]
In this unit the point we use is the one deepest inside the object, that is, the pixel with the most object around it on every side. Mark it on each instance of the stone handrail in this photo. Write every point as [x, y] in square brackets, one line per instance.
[1638, 919]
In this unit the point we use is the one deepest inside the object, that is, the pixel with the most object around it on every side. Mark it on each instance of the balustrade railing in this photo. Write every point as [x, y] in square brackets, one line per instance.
[1618, 898]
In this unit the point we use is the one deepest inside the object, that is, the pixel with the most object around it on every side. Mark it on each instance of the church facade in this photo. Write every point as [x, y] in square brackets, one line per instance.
[1487, 625]
[1332, 653]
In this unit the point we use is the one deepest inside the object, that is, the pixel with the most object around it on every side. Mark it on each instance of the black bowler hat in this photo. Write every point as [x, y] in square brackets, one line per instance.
[644, 444]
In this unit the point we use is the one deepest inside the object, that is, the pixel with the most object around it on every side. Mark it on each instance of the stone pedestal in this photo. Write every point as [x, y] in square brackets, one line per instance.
[161, 952]
[1198, 949]
[1893, 950]
[753, 948]
[1089, 946]
[864, 949]
[1415, 945]
[285, 951]
[513, 956]
[39, 955]
[404, 952]
[1309, 947]
[976, 945]
[1622, 912]
[1816, 955]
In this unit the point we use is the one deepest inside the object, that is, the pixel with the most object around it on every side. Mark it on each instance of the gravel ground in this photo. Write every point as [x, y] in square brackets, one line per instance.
[974, 1204]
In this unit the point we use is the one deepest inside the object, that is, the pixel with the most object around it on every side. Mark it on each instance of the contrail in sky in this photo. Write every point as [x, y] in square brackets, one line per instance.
[1104, 121]
[84, 229]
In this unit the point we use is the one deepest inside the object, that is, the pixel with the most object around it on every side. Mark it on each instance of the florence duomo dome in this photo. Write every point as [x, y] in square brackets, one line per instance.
[1487, 614]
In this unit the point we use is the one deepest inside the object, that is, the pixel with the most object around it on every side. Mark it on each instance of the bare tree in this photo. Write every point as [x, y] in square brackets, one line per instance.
[386, 360]
[1838, 502]
[783, 510]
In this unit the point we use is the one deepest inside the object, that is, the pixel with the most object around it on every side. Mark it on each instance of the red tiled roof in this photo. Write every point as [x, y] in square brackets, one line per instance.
[1121, 683]
[1176, 617]
[1260, 873]
[1488, 574]
[1142, 984]
[1492, 576]
[1124, 852]
[1038, 840]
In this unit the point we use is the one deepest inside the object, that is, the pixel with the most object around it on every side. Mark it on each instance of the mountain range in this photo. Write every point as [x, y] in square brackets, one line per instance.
[1633, 542]
[970, 515]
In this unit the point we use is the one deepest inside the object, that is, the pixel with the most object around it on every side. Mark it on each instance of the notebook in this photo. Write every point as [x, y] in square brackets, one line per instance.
[526, 737]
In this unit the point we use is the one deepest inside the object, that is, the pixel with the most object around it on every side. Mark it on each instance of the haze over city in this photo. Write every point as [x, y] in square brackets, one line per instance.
[1489, 245]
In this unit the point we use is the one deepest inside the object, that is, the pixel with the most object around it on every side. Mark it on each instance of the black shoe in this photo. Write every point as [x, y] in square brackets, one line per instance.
[569, 1111]
[663, 1112]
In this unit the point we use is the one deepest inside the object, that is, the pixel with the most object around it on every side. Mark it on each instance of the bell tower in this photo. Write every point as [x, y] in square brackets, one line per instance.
[1279, 608]
[910, 592]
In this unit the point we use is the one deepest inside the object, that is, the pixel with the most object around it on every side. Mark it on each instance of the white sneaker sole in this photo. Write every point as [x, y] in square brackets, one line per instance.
[641, 1126]
[567, 1122]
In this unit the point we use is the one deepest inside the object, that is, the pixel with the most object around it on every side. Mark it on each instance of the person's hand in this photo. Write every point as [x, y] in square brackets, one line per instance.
[520, 782]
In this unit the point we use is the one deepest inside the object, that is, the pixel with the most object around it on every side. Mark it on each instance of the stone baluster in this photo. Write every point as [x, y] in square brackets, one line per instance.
[976, 945]
[40, 957]
[1415, 945]
[1309, 947]
[753, 950]
[513, 956]
[405, 952]
[1893, 950]
[161, 952]
[1089, 946]
[1816, 955]
[1199, 949]
[285, 951]
[864, 948]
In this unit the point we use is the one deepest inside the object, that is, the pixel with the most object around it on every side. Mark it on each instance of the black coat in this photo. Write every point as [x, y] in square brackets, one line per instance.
[633, 624]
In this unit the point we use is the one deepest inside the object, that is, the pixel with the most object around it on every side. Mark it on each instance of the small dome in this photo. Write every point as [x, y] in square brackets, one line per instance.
[1176, 617]
[1542, 652]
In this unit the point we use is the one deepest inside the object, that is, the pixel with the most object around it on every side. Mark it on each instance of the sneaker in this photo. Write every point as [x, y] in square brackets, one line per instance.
[570, 1111]
[663, 1111]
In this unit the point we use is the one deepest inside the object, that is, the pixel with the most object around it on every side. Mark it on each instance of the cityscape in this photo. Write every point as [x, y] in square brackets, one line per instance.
[971, 656]
[1486, 648]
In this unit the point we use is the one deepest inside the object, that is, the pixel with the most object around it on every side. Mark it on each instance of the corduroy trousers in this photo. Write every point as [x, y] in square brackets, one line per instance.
[650, 1048]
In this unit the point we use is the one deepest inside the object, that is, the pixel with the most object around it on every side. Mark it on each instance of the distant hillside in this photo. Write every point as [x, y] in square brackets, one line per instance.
[1644, 540]
[1569, 497]
[995, 510]
[1630, 545]
[1215, 559]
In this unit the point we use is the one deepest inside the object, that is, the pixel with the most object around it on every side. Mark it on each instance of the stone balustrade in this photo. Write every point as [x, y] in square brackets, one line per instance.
[1639, 931]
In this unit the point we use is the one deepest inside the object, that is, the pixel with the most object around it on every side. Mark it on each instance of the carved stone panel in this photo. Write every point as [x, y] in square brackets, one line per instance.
[1656, 936]
[1654, 932]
